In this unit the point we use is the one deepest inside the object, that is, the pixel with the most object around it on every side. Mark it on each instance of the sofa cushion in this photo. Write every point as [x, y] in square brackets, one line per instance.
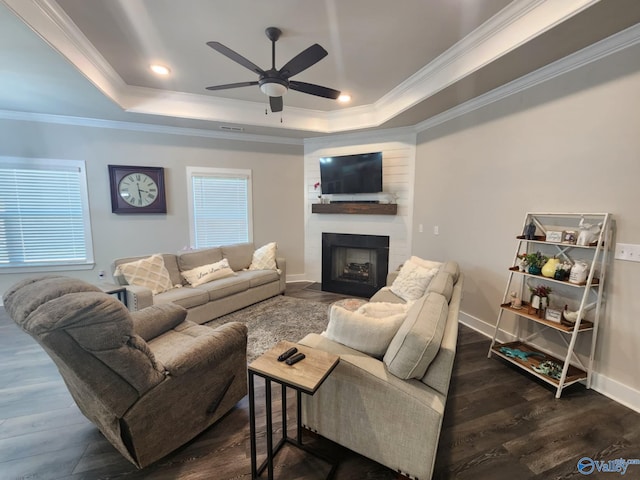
[208, 273]
[224, 287]
[239, 255]
[260, 277]
[428, 264]
[147, 272]
[412, 281]
[382, 309]
[417, 342]
[442, 283]
[453, 268]
[264, 258]
[367, 334]
[186, 297]
[386, 295]
[190, 259]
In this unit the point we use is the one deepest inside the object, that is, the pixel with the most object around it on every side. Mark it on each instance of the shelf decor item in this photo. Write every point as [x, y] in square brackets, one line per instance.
[535, 262]
[549, 268]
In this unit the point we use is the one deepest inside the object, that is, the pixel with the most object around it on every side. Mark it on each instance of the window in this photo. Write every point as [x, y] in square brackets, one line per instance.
[219, 206]
[44, 215]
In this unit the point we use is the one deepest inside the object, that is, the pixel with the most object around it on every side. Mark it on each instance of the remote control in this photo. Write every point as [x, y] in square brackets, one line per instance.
[287, 354]
[295, 359]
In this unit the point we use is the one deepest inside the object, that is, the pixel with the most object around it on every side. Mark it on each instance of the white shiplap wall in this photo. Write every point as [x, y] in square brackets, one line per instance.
[398, 166]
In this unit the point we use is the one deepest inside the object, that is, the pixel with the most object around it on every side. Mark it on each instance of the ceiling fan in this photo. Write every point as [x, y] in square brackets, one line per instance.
[275, 83]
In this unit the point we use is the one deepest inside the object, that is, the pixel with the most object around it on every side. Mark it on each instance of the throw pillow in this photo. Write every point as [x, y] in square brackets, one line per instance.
[208, 273]
[264, 258]
[383, 309]
[418, 339]
[412, 281]
[366, 334]
[147, 272]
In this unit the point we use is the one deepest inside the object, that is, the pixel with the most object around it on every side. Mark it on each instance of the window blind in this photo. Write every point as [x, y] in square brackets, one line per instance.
[42, 213]
[221, 208]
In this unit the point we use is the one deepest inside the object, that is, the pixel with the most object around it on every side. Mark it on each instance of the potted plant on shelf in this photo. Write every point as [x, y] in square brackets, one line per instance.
[535, 262]
[539, 299]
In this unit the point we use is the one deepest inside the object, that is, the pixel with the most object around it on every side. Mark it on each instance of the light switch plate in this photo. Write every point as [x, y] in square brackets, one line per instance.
[628, 252]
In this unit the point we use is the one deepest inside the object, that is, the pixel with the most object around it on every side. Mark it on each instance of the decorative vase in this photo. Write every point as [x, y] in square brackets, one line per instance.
[534, 270]
[549, 268]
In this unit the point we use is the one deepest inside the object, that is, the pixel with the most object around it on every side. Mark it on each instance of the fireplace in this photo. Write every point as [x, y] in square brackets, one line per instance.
[354, 264]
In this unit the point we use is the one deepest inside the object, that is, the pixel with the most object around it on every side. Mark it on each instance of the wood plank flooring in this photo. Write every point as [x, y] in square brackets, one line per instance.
[499, 423]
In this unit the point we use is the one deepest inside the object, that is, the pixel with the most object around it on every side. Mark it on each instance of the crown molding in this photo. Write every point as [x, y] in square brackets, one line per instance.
[519, 22]
[144, 127]
[615, 43]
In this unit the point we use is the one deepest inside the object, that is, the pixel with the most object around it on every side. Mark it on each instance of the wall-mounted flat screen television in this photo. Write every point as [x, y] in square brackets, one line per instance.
[360, 173]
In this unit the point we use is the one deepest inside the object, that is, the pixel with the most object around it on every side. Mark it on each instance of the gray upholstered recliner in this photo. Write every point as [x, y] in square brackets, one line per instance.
[149, 380]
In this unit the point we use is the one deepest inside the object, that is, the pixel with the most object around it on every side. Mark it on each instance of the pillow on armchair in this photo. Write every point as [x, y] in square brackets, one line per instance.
[367, 334]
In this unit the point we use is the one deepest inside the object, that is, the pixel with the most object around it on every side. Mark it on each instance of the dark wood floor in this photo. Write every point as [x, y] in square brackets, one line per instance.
[499, 423]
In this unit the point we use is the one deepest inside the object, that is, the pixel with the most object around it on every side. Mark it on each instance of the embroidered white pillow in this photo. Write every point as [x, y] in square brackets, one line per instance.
[370, 335]
[264, 258]
[147, 272]
[412, 281]
[208, 273]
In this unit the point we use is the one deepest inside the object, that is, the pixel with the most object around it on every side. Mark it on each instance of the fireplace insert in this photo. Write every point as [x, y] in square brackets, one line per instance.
[354, 264]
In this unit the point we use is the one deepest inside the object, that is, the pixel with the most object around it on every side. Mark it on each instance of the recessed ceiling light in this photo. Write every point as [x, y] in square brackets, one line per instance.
[344, 98]
[160, 69]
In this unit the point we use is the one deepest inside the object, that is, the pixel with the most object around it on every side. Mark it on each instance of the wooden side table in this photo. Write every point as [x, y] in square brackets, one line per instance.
[305, 376]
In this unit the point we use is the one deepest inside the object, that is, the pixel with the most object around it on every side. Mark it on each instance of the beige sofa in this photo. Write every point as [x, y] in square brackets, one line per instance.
[213, 299]
[388, 409]
[149, 380]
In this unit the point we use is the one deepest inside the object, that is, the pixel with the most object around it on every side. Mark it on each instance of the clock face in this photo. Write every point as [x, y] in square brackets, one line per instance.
[138, 189]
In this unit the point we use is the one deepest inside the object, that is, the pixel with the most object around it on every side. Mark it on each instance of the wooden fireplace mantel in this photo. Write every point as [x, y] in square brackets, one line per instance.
[356, 208]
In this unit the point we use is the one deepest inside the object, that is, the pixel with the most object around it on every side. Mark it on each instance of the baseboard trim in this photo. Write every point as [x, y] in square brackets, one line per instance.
[613, 389]
[296, 278]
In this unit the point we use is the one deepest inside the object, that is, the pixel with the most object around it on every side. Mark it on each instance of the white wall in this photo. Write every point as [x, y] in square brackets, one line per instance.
[278, 202]
[570, 144]
[398, 157]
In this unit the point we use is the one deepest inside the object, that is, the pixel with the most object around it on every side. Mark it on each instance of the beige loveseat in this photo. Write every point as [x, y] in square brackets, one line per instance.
[213, 299]
[149, 380]
[390, 409]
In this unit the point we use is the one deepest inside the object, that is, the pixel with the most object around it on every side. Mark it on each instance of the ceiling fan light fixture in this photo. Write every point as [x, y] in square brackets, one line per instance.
[344, 98]
[273, 89]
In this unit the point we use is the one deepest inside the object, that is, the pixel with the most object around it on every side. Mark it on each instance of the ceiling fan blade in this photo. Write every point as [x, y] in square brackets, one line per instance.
[303, 60]
[276, 104]
[236, 57]
[232, 85]
[312, 89]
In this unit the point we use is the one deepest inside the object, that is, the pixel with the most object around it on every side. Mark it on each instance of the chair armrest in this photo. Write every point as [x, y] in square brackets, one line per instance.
[157, 319]
[203, 346]
[138, 297]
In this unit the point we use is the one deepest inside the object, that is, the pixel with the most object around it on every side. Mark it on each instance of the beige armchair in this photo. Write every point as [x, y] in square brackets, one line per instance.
[149, 380]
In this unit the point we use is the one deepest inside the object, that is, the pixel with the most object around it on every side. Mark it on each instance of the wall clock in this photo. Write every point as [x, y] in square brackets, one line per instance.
[137, 189]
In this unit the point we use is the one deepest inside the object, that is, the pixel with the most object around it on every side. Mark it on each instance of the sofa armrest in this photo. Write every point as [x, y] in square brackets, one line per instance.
[281, 263]
[157, 319]
[138, 297]
[200, 346]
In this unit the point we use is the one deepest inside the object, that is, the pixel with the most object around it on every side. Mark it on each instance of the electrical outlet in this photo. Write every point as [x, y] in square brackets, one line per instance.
[436, 230]
[628, 252]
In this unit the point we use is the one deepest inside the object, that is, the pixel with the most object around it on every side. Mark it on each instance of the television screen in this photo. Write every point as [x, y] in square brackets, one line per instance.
[361, 173]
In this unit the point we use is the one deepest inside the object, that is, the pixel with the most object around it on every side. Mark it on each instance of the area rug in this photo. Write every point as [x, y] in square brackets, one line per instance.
[275, 319]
